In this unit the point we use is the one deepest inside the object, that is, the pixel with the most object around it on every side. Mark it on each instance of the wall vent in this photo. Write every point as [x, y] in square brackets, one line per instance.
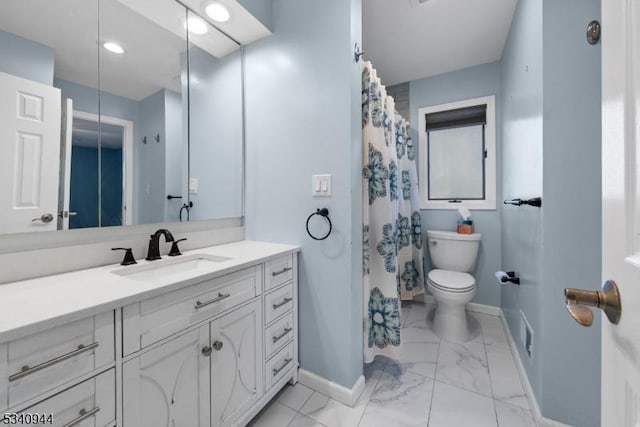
[526, 335]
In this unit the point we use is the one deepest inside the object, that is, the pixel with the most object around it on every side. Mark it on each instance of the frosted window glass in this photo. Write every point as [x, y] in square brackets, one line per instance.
[456, 163]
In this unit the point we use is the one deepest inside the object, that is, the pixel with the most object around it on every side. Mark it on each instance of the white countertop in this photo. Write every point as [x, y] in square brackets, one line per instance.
[32, 305]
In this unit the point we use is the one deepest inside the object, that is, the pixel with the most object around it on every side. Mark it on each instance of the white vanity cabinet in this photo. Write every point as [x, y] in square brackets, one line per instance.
[153, 319]
[43, 363]
[213, 353]
[169, 385]
[208, 376]
[281, 321]
[91, 403]
[209, 353]
[236, 364]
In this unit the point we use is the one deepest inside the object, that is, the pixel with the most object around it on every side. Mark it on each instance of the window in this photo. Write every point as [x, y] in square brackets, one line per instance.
[457, 155]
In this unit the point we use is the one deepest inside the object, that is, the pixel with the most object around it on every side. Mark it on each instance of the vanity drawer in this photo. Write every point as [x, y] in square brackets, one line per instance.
[279, 366]
[151, 320]
[90, 403]
[278, 271]
[43, 361]
[278, 334]
[278, 302]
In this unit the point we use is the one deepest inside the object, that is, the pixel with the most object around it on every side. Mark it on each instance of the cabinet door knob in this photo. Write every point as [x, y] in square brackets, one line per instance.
[206, 351]
[217, 345]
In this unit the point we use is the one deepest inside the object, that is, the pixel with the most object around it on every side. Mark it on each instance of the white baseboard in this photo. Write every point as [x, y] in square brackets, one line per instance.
[524, 378]
[335, 391]
[473, 307]
[484, 309]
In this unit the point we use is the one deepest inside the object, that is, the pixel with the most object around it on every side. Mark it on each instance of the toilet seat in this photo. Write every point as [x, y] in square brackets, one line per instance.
[451, 281]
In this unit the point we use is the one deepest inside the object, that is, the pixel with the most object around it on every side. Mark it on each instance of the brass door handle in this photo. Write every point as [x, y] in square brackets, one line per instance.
[608, 300]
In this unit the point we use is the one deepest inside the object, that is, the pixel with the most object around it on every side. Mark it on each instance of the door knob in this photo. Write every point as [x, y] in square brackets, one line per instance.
[608, 300]
[217, 345]
[46, 218]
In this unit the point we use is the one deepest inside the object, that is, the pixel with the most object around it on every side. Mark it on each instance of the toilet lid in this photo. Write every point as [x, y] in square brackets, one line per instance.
[453, 280]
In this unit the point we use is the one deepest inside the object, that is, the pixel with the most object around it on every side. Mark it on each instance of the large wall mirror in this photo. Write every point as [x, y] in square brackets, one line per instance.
[117, 112]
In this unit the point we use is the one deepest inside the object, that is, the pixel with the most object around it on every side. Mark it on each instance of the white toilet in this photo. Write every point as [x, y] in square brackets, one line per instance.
[453, 257]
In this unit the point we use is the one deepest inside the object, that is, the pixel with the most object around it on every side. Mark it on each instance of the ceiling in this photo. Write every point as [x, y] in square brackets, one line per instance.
[411, 39]
[152, 33]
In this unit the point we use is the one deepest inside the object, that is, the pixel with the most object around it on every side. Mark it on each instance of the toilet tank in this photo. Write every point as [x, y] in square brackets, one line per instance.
[452, 251]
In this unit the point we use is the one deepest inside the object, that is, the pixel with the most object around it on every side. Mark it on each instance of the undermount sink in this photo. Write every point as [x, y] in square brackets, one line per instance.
[187, 266]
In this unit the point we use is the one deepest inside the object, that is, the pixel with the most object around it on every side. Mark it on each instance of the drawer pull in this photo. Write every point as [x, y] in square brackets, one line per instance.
[280, 304]
[286, 362]
[220, 297]
[284, 270]
[84, 414]
[27, 370]
[282, 335]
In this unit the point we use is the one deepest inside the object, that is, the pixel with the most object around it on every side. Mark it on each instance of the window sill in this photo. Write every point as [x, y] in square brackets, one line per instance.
[479, 205]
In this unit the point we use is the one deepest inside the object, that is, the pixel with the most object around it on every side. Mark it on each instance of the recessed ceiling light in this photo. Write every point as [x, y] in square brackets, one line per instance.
[196, 25]
[218, 12]
[113, 47]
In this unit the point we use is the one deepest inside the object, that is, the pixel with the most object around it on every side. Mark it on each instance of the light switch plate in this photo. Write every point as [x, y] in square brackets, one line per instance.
[193, 185]
[321, 185]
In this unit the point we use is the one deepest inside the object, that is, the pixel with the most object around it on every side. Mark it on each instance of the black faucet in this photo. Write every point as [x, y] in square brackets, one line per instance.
[154, 244]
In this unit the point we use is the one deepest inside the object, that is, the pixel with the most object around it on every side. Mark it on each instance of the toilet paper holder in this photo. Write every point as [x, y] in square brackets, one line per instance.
[509, 276]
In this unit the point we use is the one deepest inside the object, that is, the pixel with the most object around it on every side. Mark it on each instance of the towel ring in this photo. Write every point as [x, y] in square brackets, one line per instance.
[324, 212]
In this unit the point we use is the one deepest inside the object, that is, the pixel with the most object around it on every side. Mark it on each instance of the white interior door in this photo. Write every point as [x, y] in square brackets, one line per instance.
[65, 160]
[621, 209]
[29, 154]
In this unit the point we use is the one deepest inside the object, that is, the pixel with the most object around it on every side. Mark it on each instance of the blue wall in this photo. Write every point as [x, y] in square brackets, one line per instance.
[215, 134]
[25, 58]
[150, 160]
[572, 209]
[176, 151]
[522, 177]
[474, 82]
[551, 119]
[303, 118]
[86, 99]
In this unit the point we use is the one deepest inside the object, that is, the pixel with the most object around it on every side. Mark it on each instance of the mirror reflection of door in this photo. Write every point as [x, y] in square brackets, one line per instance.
[98, 180]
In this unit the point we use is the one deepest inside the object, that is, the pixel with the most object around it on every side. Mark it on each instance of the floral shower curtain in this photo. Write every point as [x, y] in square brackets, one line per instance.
[392, 238]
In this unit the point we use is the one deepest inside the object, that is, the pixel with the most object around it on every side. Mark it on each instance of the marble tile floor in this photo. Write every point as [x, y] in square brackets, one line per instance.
[435, 384]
